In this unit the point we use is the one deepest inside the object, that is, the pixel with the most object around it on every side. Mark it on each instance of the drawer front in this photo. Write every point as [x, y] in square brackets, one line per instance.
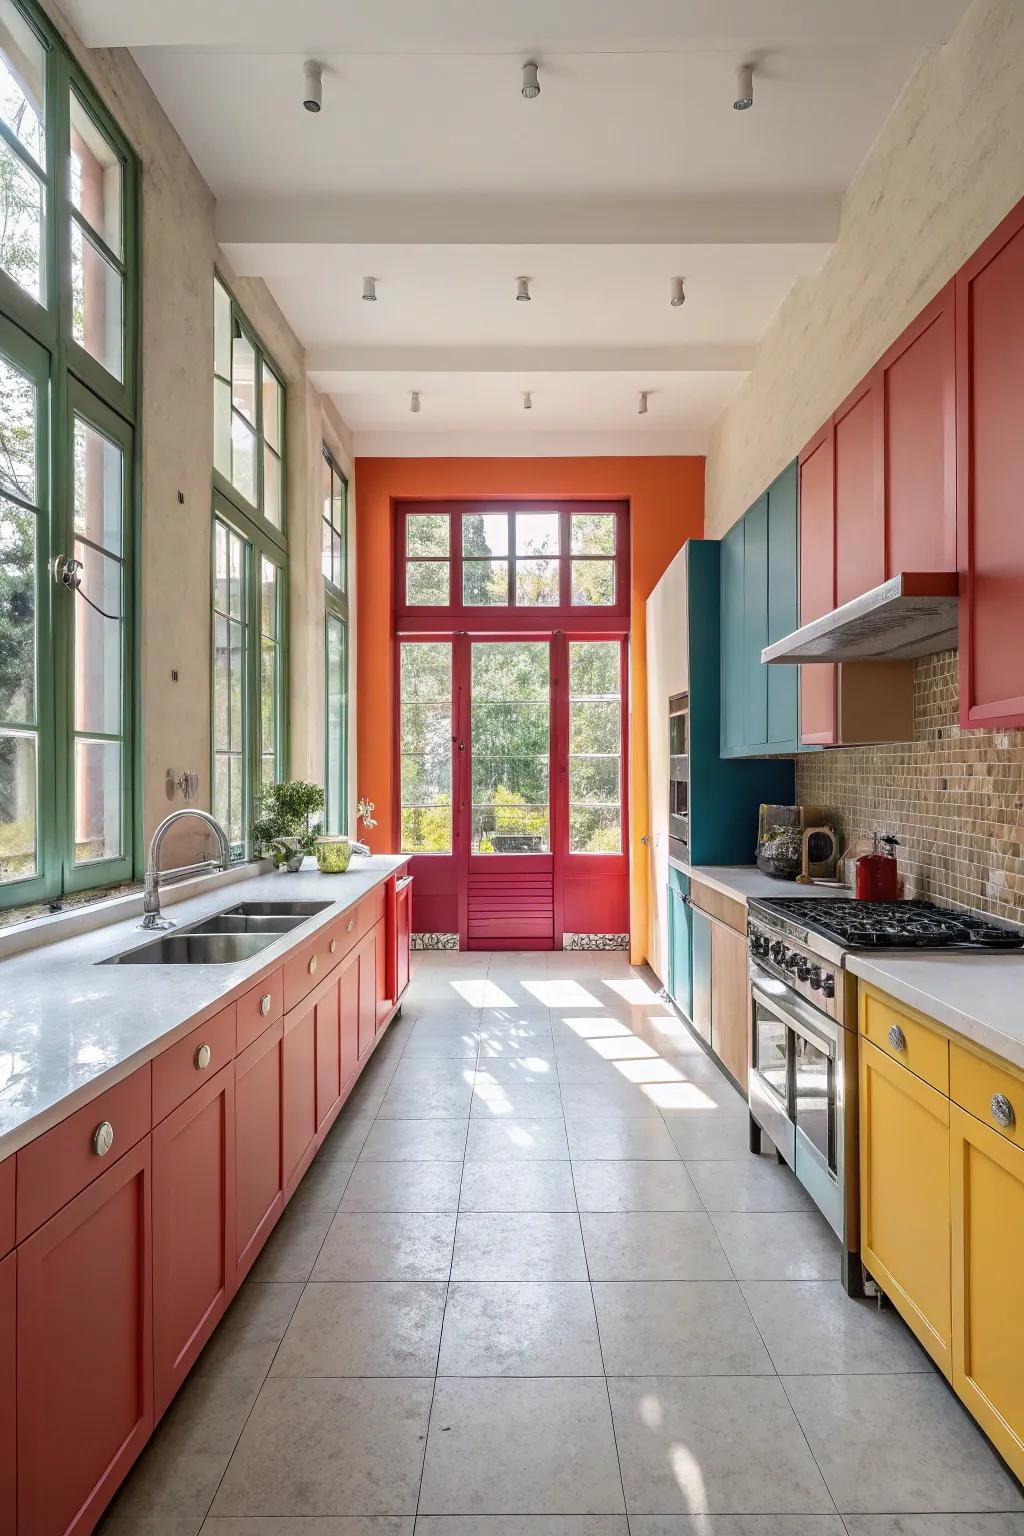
[61, 1163]
[905, 1038]
[186, 1066]
[992, 1093]
[7, 1205]
[260, 1008]
[315, 959]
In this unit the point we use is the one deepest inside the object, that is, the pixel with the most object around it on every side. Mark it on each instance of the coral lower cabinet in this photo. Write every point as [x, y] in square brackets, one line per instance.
[942, 1205]
[139, 1215]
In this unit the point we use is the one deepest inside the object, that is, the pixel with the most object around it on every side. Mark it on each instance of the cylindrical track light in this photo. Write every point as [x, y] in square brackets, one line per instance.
[414, 401]
[678, 293]
[641, 409]
[744, 88]
[522, 290]
[370, 290]
[312, 86]
[531, 85]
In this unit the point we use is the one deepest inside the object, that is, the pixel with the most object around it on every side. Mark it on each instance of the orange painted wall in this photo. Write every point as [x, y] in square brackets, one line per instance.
[666, 499]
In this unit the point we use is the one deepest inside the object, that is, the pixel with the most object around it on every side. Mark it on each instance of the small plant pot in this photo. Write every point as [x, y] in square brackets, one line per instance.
[333, 855]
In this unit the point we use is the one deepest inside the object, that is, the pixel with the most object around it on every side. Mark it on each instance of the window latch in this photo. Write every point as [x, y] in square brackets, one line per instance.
[67, 572]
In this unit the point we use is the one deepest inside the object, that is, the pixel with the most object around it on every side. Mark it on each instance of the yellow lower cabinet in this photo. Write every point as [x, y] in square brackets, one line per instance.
[905, 1196]
[988, 1280]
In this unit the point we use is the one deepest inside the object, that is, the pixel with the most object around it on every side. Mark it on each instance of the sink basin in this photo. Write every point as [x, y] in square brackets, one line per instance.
[301, 909]
[240, 922]
[195, 948]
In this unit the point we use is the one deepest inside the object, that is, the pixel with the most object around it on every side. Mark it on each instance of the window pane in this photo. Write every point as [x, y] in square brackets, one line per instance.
[243, 457]
[335, 725]
[98, 643]
[221, 330]
[236, 691]
[326, 555]
[537, 533]
[593, 533]
[594, 726]
[221, 686]
[17, 615]
[220, 568]
[243, 375]
[271, 409]
[17, 433]
[594, 669]
[268, 599]
[484, 533]
[426, 533]
[595, 764]
[537, 583]
[271, 487]
[99, 490]
[268, 707]
[485, 583]
[593, 583]
[236, 564]
[595, 829]
[426, 711]
[97, 801]
[426, 583]
[97, 300]
[95, 177]
[22, 202]
[594, 779]
[338, 561]
[22, 76]
[510, 712]
[17, 805]
[222, 427]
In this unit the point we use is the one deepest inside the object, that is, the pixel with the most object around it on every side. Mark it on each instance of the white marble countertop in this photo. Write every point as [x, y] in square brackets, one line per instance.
[978, 996]
[745, 882]
[71, 1027]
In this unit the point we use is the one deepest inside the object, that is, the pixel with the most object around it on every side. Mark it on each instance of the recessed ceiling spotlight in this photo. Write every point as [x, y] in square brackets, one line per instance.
[531, 85]
[370, 290]
[527, 400]
[414, 401]
[678, 293]
[641, 409]
[522, 290]
[312, 86]
[744, 88]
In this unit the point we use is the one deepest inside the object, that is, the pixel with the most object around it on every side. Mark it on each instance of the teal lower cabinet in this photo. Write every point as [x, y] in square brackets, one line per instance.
[700, 972]
[680, 912]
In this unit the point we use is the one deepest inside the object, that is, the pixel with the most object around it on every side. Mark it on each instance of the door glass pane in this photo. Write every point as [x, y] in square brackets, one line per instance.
[771, 1051]
[813, 1071]
[510, 738]
[593, 583]
[485, 583]
[270, 669]
[484, 533]
[18, 799]
[537, 533]
[537, 583]
[95, 177]
[335, 725]
[427, 533]
[22, 76]
[99, 491]
[22, 204]
[17, 614]
[230, 640]
[426, 742]
[595, 760]
[98, 643]
[97, 300]
[426, 583]
[592, 533]
[97, 800]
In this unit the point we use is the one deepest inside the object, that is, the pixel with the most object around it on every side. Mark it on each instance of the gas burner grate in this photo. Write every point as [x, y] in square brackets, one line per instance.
[893, 924]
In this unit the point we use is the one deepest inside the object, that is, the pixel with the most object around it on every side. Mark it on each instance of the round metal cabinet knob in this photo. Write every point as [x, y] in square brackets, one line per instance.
[333, 945]
[311, 967]
[1003, 1112]
[103, 1138]
[897, 1039]
[351, 925]
[265, 1004]
[203, 1057]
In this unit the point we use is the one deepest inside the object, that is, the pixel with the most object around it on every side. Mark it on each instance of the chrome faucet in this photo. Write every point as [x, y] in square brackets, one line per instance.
[151, 899]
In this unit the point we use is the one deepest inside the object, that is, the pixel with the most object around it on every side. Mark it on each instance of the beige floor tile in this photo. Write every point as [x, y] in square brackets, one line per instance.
[387, 1245]
[935, 1525]
[246, 1340]
[513, 1139]
[323, 1185]
[653, 1245]
[626, 1100]
[736, 1525]
[500, 1101]
[345, 1137]
[423, 1186]
[760, 1184]
[427, 1101]
[634, 1185]
[517, 1187]
[179, 1471]
[309, 1525]
[364, 1328]
[813, 1328]
[150, 1525]
[515, 1329]
[292, 1247]
[678, 1328]
[778, 1245]
[521, 1525]
[413, 1141]
[601, 1137]
[518, 1246]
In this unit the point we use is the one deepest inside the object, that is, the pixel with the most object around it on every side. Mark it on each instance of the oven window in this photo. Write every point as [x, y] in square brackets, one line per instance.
[771, 1045]
[816, 1098]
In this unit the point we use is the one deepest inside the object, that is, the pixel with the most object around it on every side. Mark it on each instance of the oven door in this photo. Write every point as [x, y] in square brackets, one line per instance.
[770, 1082]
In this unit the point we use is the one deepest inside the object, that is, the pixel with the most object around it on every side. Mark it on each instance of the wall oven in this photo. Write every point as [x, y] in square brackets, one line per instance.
[679, 776]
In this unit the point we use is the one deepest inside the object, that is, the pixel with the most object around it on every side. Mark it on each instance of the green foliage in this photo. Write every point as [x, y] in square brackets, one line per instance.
[285, 812]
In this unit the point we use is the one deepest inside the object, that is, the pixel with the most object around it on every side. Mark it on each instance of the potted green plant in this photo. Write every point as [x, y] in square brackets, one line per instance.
[285, 827]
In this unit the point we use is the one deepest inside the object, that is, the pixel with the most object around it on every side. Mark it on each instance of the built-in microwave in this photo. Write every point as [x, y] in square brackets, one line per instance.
[679, 775]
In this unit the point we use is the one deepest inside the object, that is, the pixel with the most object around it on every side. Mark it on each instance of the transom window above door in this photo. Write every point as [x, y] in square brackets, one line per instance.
[544, 559]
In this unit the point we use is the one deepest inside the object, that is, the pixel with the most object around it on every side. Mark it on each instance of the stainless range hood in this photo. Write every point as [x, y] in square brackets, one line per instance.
[913, 614]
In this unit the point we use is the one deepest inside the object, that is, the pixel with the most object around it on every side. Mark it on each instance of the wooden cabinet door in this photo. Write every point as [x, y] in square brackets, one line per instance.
[328, 1054]
[85, 1350]
[8, 1392]
[817, 583]
[732, 637]
[916, 381]
[783, 682]
[859, 498]
[382, 991]
[193, 1229]
[348, 1015]
[680, 973]
[904, 1196]
[298, 1094]
[755, 625]
[730, 1001]
[259, 1176]
[700, 952]
[988, 1280]
[403, 934]
[990, 473]
[367, 994]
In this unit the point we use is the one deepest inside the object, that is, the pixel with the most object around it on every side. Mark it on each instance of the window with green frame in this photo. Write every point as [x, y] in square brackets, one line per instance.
[250, 572]
[69, 811]
[334, 561]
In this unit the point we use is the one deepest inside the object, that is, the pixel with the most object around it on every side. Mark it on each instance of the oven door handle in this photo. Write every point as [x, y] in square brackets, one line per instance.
[795, 1016]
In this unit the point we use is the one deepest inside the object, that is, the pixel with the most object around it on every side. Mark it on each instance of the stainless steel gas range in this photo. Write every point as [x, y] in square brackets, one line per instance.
[803, 1079]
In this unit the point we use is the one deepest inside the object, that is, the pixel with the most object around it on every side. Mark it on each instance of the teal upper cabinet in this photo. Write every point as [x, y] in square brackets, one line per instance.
[760, 705]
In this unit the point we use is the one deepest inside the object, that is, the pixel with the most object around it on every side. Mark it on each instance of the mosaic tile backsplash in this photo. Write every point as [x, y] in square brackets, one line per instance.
[955, 799]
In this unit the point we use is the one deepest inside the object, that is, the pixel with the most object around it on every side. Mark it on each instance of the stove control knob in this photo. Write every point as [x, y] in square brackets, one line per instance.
[778, 951]
[815, 977]
[803, 970]
[792, 960]
[828, 985]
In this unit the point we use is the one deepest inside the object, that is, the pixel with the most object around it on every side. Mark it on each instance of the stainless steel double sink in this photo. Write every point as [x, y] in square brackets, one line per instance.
[225, 937]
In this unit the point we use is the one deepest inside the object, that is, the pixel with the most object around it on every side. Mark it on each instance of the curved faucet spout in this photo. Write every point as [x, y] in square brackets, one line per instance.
[151, 899]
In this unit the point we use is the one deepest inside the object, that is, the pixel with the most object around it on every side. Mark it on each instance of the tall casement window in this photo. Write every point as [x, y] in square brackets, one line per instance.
[334, 558]
[250, 571]
[68, 392]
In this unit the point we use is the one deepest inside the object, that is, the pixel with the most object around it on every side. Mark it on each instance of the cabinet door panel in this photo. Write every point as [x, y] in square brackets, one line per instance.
[298, 1094]
[860, 533]
[817, 583]
[730, 1001]
[328, 1055]
[382, 998]
[259, 1177]
[700, 939]
[990, 472]
[783, 682]
[348, 1014]
[733, 708]
[193, 1229]
[755, 624]
[367, 994]
[403, 934]
[904, 1168]
[8, 1392]
[85, 1350]
[988, 1281]
[680, 973]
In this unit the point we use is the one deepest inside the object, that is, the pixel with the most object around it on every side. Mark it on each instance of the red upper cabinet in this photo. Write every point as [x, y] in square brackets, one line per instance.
[859, 512]
[817, 582]
[990, 475]
[915, 383]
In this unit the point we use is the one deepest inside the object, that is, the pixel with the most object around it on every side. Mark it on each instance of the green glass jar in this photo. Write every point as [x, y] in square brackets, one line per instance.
[333, 855]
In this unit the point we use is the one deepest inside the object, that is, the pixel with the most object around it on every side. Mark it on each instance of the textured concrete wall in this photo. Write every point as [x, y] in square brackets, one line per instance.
[946, 167]
[178, 256]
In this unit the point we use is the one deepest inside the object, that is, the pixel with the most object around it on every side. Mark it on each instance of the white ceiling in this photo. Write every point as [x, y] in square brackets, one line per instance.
[428, 170]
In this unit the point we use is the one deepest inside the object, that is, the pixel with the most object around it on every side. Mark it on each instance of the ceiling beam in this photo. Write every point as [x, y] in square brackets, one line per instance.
[263, 236]
[332, 360]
